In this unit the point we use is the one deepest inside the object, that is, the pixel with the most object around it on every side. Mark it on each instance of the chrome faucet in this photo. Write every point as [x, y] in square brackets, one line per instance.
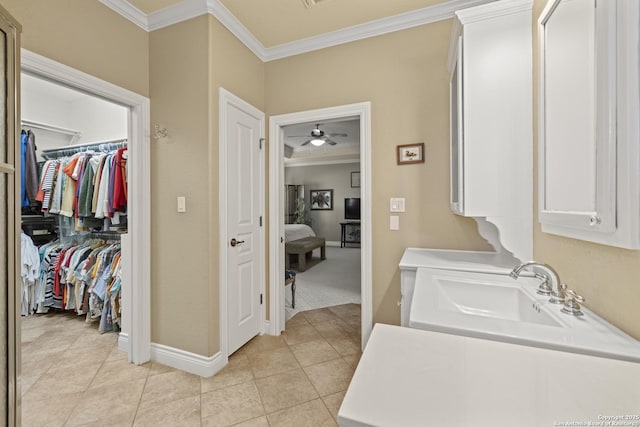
[550, 281]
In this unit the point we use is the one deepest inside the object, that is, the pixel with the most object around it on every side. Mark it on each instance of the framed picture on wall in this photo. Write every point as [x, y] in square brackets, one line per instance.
[321, 200]
[355, 179]
[410, 153]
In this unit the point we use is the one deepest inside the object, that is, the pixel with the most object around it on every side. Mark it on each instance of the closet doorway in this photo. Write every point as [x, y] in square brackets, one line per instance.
[103, 104]
[360, 190]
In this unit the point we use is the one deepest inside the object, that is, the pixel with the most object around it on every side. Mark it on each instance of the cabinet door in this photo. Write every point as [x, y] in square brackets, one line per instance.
[577, 123]
[456, 135]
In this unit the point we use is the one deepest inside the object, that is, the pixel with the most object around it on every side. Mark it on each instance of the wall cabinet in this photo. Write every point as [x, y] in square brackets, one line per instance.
[588, 121]
[491, 119]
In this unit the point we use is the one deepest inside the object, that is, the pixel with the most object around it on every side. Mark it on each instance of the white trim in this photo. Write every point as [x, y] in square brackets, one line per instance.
[186, 361]
[332, 243]
[189, 9]
[321, 163]
[226, 99]
[123, 342]
[276, 226]
[182, 11]
[493, 10]
[139, 181]
[129, 11]
[402, 21]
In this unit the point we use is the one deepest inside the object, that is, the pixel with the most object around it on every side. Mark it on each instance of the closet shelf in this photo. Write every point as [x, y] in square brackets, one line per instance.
[68, 150]
[75, 134]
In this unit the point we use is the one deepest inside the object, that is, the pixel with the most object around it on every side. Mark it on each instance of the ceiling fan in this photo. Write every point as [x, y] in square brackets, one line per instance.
[319, 137]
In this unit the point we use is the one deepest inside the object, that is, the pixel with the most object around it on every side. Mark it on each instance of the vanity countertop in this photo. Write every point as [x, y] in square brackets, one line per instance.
[410, 377]
[488, 262]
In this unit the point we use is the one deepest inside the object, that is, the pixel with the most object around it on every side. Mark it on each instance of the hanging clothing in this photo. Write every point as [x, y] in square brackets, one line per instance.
[28, 274]
[29, 168]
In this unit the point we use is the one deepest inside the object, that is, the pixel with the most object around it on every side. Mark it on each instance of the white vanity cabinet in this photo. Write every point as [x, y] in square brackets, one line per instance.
[589, 152]
[490, 63]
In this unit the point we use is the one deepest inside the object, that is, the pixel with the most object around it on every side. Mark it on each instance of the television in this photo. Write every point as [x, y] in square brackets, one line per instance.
[352, 208]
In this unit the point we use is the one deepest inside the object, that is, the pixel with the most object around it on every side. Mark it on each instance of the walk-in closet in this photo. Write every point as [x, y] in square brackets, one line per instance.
[74, 214]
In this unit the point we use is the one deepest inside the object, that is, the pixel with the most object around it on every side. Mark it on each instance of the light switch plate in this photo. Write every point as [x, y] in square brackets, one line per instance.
[396, 204]
[182, 204]
[394, 222]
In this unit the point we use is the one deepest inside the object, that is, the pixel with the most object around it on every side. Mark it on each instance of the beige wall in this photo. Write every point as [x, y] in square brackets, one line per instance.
[189, 62]
[608, 277]
[404, 76]
[88, 36]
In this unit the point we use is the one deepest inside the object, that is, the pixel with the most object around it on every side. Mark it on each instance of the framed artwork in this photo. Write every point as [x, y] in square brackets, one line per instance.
[355, 179]
[411, 153]
[321, 200]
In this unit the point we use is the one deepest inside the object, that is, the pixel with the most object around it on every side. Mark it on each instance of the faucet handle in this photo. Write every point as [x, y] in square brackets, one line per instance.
[545, 286]
[572, 303]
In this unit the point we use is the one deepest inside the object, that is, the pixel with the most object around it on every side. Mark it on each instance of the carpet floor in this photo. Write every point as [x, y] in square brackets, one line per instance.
[334, 281]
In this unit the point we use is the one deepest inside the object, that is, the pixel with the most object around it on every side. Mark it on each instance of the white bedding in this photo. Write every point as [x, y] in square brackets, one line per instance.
[297, 231]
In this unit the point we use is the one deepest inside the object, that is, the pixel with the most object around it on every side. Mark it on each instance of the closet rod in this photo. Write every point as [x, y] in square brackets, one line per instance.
[77, 148]
[45, 126]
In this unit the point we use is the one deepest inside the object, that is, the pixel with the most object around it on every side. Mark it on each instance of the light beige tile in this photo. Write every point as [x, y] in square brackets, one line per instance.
[91, 339]
[333, 402]
[345, 310]
[26, 381]
[300, 333]
[272, 362]
[353, 359]
[297, 319]
[51, 343]
[319, 315]
[159, 368]
[231, 405]
[108, 402]
[344, 346]
[117, 354]
[183, 412]
[331, 329]
[124, 419]
[62, 382]
[81, 357]
[330, 377]
[237, 371]
[261, 343]
[52, 411]
[118, 371]
[285, 390]
[31, 334]
[256, 422]
[38, 363]
[168, 387]
[312, 352]
[312, 413]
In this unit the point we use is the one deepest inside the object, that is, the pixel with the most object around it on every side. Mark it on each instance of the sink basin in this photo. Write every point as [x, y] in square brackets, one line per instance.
[497, 307]
[490, 300]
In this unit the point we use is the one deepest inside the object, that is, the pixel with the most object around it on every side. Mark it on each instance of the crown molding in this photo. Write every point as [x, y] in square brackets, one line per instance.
[494, 10]
[128, 11]
[378, 27]
[189, 9]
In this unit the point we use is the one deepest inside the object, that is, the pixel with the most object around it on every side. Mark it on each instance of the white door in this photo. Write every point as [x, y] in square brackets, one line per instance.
[244, 131]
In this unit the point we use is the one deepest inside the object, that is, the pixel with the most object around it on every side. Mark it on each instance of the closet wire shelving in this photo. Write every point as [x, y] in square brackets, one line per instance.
[69, 150]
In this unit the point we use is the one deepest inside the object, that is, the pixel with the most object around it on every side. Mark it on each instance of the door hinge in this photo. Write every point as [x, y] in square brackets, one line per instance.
[261, 221]
[261, 141]
[260, 299]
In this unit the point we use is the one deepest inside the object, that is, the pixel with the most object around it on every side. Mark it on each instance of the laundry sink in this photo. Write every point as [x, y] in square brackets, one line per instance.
[490, 300]
[497, 307]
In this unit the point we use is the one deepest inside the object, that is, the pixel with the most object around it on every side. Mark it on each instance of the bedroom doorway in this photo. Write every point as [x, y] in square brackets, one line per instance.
[327, 154]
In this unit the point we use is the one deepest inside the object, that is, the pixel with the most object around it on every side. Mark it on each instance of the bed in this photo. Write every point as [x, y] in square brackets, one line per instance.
[297, 231]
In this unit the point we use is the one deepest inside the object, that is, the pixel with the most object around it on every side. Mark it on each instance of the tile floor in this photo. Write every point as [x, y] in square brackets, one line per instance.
[73, 376]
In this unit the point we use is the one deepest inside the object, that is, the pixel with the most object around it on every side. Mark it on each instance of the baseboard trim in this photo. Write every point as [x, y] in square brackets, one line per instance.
[332, 243]
[186, 361]
[123, 342]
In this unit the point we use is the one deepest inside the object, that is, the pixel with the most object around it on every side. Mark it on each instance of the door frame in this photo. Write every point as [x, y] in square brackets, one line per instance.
[138, 339]
[276, 208]
[227, 99]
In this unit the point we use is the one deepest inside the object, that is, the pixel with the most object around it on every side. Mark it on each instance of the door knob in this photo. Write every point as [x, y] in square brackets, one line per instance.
[235, 242]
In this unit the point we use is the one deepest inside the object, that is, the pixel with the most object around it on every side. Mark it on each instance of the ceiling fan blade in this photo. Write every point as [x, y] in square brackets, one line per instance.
[337, 134]
[305, 143]
[330, 142]
[298, 136]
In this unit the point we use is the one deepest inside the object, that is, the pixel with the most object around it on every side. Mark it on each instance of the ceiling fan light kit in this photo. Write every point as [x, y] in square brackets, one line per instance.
[317, 142]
